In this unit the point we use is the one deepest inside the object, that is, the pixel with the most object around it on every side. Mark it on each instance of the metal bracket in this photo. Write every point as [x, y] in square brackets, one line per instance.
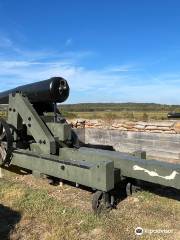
[20, 112]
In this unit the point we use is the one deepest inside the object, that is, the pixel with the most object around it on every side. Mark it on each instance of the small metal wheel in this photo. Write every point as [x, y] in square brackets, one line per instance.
[6, 143]
[101, 201]
[131, 188]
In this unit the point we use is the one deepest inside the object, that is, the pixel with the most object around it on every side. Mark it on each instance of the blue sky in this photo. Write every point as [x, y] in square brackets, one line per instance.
[109, 51]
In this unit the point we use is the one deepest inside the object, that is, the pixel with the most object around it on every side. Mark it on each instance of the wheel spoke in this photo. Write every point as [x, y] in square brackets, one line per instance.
[6, 143]
[101, 202]
[3, 153]
[1, 129]
[2, 136]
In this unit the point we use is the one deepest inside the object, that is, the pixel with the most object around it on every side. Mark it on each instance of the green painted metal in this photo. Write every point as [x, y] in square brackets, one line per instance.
[49, 152]
[61, 131]
[153, 171]
[21, 112]
[98, 175]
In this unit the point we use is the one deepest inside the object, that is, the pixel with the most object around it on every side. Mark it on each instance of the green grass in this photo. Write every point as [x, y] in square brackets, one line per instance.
[127, 111]
[124, 115]
[54, 213]
[119, 107]
[108, 111]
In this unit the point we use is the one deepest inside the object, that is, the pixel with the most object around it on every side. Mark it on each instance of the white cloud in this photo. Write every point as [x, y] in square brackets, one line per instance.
[118, 83]
[92, 85]
[121, 68]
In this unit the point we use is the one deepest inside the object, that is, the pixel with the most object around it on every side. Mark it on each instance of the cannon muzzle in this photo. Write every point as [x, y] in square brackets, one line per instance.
[55, 90]
[173, 115]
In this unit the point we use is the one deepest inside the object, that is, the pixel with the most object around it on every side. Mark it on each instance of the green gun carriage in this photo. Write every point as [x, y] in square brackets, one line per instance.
[36, 137]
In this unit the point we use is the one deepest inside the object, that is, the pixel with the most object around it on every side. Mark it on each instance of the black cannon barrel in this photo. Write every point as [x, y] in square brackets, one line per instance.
[55, 89]
[173, 115]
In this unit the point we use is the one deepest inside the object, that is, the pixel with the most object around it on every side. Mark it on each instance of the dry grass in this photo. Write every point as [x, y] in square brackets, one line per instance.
[125, 115]
[33, 209]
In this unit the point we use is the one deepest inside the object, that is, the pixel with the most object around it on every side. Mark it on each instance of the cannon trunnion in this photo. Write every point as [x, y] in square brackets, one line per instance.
[38, 138]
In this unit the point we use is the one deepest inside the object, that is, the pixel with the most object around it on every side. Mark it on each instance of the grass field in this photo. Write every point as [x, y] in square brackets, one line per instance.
[128, 111]
[133, 116]
[108, 111]
[125, 115]
[32, 209]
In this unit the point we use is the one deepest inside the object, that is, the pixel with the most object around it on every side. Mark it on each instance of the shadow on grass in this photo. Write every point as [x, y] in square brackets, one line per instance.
[17, 170]
[8, 220]
[162, 191]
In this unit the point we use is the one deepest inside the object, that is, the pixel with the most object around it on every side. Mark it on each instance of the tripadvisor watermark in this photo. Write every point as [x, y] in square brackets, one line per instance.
[140, 231]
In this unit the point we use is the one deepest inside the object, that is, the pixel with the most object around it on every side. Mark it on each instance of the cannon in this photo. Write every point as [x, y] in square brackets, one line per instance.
[53, 90]
[173, 115]
[43, 95]
[36, 137]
